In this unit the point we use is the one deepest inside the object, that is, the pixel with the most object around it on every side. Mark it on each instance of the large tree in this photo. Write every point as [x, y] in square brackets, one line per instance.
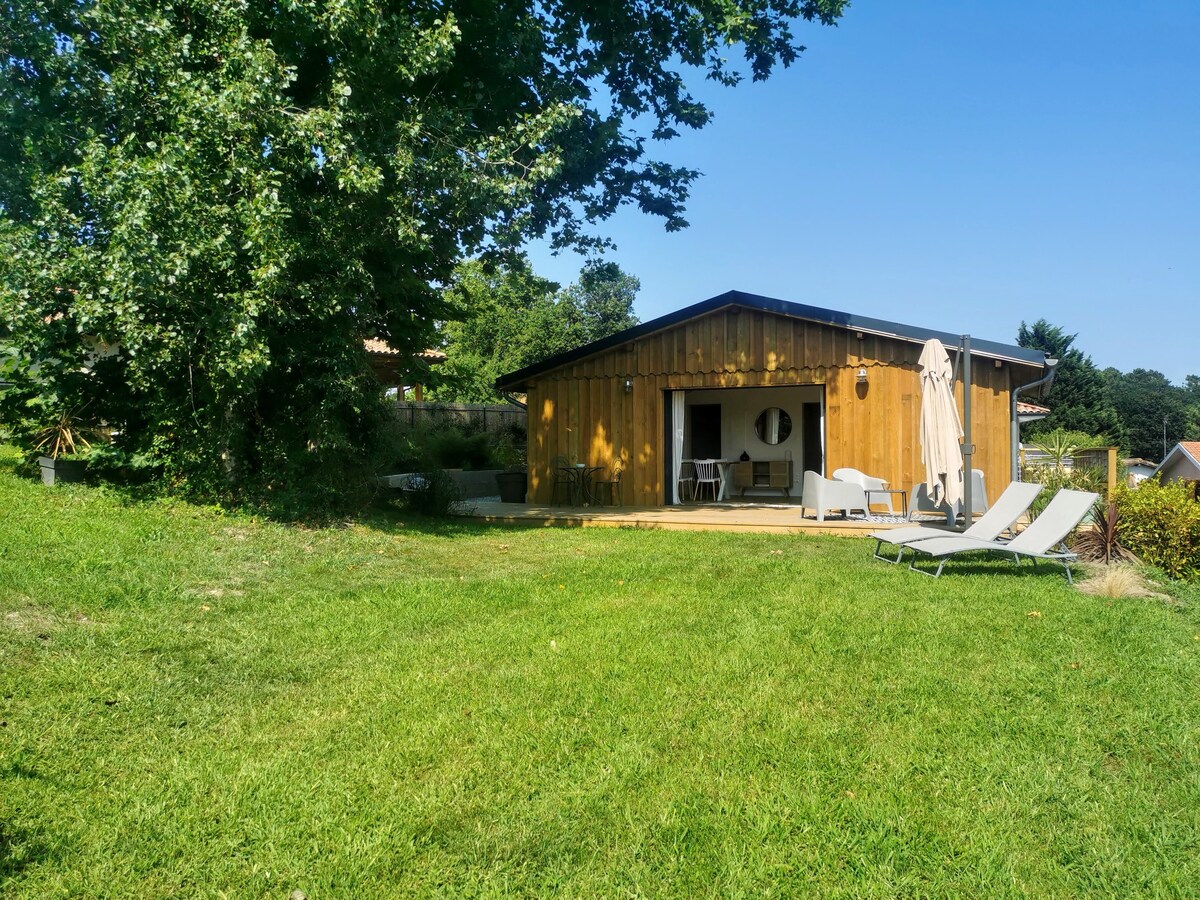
[237, 193]
[1191, 390]
[505, 318]
[601, 301]
[1153, 411]
[1078, 398]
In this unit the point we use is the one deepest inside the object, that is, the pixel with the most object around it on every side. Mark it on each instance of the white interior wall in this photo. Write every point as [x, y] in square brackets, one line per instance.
[740, 407]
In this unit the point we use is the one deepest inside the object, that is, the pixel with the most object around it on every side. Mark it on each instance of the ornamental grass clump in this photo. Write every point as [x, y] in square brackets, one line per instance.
[1160, 523]
[1115, 583]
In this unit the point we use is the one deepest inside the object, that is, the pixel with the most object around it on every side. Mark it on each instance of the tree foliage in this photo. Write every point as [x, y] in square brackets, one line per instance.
[236, 193]
[506, 317]
[1153, 411]
[1078, 398]
[1191, 393]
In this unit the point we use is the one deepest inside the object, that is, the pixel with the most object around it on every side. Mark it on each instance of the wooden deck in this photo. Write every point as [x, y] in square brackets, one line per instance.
[745, 517]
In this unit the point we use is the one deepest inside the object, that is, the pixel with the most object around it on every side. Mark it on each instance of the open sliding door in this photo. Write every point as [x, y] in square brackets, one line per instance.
[675, 416]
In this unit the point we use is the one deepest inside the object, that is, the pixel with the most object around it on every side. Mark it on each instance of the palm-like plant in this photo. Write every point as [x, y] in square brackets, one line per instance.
[1099, 543]
[1058, 447]
[63, 436]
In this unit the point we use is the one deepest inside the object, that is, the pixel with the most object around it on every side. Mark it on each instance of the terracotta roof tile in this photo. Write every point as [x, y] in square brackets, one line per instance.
[374, 345]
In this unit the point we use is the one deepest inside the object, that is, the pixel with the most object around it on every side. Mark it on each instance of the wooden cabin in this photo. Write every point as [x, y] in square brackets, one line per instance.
[803, 387]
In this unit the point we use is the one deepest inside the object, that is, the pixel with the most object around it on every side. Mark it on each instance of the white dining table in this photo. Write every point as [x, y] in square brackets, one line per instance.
[724, 471]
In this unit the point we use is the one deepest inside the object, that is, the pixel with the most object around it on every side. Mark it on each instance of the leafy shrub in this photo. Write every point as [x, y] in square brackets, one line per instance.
[454, 448]
[450, 445]
[1080, 478]
[1064, 443]
[432, 493]
[514, 433]
[1161, 524]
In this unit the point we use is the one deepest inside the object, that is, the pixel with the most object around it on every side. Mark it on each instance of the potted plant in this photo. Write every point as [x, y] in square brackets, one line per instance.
[513, 482]
[63, 448]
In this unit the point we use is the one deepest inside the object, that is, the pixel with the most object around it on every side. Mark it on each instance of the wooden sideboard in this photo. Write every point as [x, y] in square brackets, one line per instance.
[768, 473]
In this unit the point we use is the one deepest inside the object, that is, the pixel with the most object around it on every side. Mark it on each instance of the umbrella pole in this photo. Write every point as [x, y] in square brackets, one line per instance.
[968, 448]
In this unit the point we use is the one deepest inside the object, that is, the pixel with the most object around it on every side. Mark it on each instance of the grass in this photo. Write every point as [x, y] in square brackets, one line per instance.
[206, 705]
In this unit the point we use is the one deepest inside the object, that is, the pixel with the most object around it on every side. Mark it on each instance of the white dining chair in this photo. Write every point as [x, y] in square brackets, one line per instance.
[706, 474]
[687, 480]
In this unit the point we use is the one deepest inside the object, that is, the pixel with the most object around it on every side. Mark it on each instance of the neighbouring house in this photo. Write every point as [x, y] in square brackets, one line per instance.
[401, 371]
[804, 387]
[1031, 412]
[1137, 470]
[1182, 463]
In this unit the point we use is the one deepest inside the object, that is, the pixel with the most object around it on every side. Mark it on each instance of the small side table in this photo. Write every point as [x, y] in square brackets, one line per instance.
[586, 490]
[903, 497]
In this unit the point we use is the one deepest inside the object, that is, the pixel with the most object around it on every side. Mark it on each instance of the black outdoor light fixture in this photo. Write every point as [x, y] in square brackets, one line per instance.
[862, 375]
[629, 385]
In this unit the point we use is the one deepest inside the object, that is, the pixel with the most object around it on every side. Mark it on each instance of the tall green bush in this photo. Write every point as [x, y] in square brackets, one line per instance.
[1080, 478]
[231, 196]
[451, 445]
[1161, 524]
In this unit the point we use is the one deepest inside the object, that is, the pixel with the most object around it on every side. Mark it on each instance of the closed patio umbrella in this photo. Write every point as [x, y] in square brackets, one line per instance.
[941, 430]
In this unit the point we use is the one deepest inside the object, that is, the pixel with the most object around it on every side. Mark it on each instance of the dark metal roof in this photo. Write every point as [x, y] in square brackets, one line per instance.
[516, 380]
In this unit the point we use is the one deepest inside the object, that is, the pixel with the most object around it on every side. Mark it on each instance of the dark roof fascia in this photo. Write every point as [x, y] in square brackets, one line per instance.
[517, 380]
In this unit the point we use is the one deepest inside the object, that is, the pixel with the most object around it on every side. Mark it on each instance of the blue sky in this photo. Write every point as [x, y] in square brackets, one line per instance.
[962, 165]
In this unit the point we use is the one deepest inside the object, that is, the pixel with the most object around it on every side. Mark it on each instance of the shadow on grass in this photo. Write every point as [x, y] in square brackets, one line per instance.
[390, 517]
[977, 567]
[19, 849]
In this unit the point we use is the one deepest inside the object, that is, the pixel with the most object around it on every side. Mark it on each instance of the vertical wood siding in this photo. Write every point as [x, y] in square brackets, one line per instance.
[581, 410]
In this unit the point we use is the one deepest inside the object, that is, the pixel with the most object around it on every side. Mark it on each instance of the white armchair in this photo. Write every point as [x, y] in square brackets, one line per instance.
[868, 484]
[820, 494]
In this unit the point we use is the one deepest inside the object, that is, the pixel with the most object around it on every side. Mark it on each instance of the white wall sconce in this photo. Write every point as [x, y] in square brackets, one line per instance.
[862, 375]
[629, 385]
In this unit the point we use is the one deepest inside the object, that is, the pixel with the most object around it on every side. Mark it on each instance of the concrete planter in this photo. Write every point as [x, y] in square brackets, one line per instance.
[67, 471]
[513, 486]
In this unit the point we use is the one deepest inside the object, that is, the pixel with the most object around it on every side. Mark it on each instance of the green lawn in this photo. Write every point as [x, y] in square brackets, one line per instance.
[204, 705]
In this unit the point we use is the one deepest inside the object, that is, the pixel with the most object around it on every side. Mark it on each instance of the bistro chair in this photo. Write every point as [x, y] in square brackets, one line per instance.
[564, 480]
[706, 474]
[610, 486]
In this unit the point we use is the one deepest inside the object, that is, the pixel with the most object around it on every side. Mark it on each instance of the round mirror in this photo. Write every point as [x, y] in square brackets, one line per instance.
[773, 425]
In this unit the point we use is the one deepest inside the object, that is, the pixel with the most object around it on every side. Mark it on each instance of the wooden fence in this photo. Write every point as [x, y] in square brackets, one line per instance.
[487, 417]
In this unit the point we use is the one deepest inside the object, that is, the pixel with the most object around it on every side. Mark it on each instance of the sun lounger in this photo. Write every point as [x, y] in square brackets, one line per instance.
[1043, 539]
[1013, 504]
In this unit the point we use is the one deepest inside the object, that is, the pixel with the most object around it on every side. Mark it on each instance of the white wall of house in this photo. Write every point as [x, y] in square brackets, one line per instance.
[1137, 471]
[740, 407]
[1179, 466]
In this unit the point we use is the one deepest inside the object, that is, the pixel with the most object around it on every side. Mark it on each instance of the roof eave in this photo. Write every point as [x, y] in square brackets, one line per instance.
[1005, 352]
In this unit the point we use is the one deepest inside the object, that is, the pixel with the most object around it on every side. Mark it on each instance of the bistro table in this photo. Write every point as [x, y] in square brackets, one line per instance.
[580, 476]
